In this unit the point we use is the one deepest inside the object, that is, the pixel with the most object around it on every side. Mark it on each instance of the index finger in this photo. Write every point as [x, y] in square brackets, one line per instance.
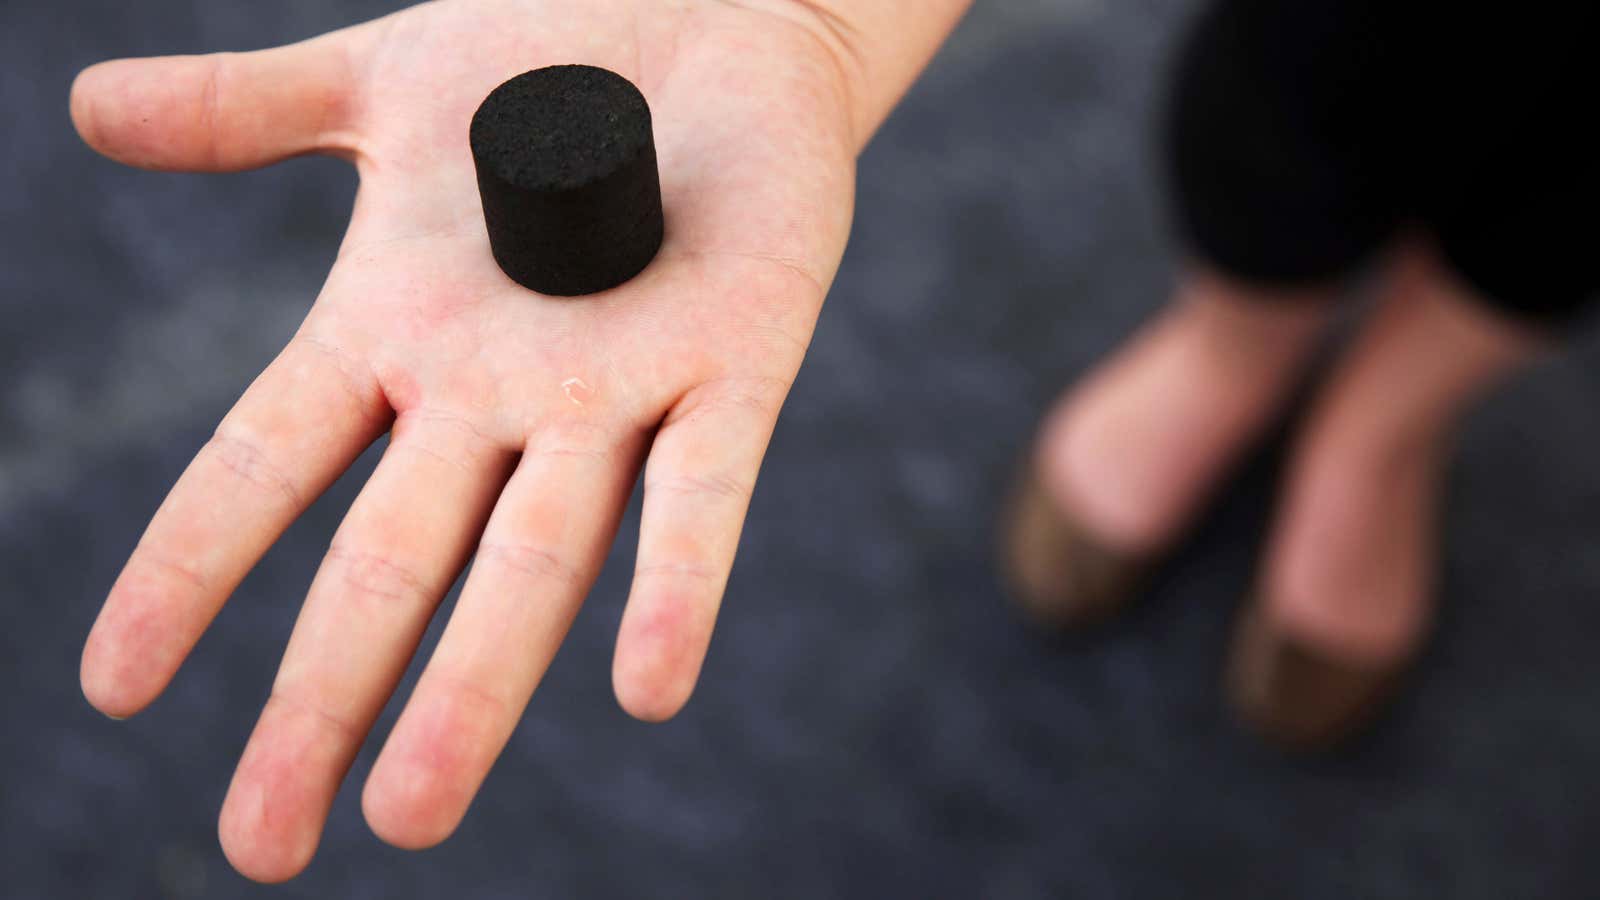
[298, 426]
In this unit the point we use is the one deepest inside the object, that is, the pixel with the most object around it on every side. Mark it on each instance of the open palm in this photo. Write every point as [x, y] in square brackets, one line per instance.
[518, 422]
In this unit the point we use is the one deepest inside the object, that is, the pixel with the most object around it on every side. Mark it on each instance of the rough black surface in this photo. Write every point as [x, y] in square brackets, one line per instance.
[567, 172]
[869, 724]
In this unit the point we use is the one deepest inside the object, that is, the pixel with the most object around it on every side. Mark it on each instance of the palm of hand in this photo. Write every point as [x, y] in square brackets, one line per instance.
[518, 421]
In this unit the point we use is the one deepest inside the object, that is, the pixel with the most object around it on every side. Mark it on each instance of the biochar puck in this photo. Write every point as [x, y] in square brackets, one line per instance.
[567, 172]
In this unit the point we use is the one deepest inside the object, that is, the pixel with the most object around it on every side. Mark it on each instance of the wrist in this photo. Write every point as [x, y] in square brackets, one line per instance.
[877, 47]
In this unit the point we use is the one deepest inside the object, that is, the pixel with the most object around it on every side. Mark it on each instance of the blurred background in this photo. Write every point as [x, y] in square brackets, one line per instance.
[871, 721]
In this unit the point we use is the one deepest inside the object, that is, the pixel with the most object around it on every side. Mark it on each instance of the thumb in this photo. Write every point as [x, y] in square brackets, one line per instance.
[223, 111]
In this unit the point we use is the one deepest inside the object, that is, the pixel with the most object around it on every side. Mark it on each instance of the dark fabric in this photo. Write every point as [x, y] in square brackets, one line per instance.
[1303, 134]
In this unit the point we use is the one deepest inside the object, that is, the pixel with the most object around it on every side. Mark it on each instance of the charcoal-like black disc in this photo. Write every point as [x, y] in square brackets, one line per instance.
[567, 172]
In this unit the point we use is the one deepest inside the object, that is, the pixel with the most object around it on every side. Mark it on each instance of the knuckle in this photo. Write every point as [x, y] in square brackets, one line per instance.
[759, 394]
[152, 572]
[578, 439]
[711, 486]
[696, 573]
[374, 575]
[245, 457]
[299, 705]
[478, 706]
[445, 436]
[209, 114]
[535, 562]
[355, 376]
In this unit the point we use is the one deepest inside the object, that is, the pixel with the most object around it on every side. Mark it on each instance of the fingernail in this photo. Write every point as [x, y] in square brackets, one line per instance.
[1295, 696]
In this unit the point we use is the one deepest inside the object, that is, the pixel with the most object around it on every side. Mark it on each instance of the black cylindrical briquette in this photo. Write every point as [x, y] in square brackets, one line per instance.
[567, 173]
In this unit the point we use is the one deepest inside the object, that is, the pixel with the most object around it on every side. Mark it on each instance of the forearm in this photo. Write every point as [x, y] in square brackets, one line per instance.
[881, 47]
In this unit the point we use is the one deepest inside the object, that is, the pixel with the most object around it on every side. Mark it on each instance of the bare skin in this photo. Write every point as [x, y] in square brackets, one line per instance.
[1347, 573]
[1349, 568]
[1135, 449]
[518, 423]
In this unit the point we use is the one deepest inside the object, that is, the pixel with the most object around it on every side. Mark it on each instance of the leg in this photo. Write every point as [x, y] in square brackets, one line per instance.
[1345, 590]
[1285, 195]
[1124, 460]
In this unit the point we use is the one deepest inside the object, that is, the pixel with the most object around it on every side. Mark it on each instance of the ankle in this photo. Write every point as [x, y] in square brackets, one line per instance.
[1349, 572]
[1137, 446]
[1247, 329]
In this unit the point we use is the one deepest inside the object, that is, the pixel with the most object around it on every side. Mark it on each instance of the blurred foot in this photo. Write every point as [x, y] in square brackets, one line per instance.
[1124, 459]
[1345, 592]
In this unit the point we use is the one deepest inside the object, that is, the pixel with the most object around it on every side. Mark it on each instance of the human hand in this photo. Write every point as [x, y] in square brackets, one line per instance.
[518, 422]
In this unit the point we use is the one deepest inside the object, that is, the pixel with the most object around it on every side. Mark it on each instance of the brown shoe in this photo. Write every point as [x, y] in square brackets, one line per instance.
[1299, 699]
[1058, 574]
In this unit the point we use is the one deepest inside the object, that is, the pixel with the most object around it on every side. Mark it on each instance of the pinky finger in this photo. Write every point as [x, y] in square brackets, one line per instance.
[697, 487]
